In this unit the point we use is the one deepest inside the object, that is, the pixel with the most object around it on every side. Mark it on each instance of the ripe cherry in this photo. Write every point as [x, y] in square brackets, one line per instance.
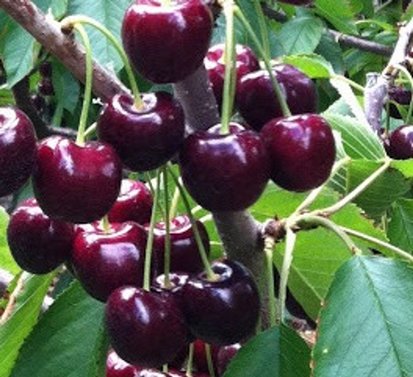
[106, 260]
[17, 149]
[38, 244]
[134, 203]
[145, 328]
[256, 99]
[224, 311]
[401, 96]
[185, 255]
[225, 355]
[116, 367]
[76, 183]
[144, 138]
[166, 43]
[301, 149]
[400, 143]
[224, 172]
[200, 356]
[245, 62]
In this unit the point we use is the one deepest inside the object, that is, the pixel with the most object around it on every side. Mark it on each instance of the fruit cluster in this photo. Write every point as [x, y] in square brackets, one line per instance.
[76, 184]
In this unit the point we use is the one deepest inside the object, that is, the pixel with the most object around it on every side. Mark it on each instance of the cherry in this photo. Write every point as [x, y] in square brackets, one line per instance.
[256, 99]
[17, 149]
[116, 367]
[45, 69]
[225, 355]
[301, 149]
[185, 255]
[38, 244]
[245, 62]
[166, 43]
[145, 328]
[134, 203]
[104, 261]
[224, 172]
[76, 183]
[144, 138]
[45, 87]
[400, 95]
[400, 143]
[176, 373]
[224, 311]
[200, 358]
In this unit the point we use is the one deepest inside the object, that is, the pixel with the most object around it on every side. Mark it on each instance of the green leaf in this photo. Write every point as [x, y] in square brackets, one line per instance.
[110, 13]
[313, 65]
[339, 13]
[24, 317]
[400, 229]
[359, 141]
[404, 166]
[301, 35]
[277, 352]
[69, 340]
[6, 260]
[67, 89]
[380, 195]
[365, 327]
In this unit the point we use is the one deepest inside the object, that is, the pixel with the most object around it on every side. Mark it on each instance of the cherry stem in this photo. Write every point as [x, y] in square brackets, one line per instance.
[210, 273]
[105, 224]
[409, 77]
[263, 28]
[402, 253]
[79, 19]
[167, 252]
[80, 140]
[190, 362]
[90, 130]
[149, 242]
[230, 67]
[355, 193]
[269, 243]
[348, 81]
[174, 204]
[210, 362]
[277, 87]
[285, 271]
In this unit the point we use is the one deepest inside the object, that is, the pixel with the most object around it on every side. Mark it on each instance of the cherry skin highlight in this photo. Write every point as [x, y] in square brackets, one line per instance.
[224, 172]
[224, 311]
[104, 261]
[167, 43]
[116, 367]
[257, 102]
[145, 328]
[76, 183]
[400, 143]
[146, 138]
[17, 149]
[134, 203]
[301, 149]
[38, 244]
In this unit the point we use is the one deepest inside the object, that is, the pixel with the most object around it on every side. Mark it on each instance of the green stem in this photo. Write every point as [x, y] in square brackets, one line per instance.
[285, 272]
[277, 88]
[356, 192]
[189, 364]
[105, 224]
[263, 28]
[210, 363]
[269, 247]
[174, 204]
[88, 85]
[230, 68]
[90, 130]
[210, 274]
[402, 253]
[149, 242]
[348, 81]
[167, 253]
[79, 19]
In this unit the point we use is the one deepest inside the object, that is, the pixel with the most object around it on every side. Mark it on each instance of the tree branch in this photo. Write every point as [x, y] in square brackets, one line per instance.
[49, 34]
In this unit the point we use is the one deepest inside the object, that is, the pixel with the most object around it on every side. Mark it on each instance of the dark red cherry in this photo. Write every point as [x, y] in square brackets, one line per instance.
[224, 172]
[185, 255]
[46, 87]
[145, 328]
[400, 143]
[166, 43]
[116, 367]
[176, 373]
[17, 149]
[301, 149]
[225, 355]
[134, 203]
[401, 96]
[144, 138]
[37, 243]
[76, 183]
[200, 357]
[224, 311]
[245, 62]
[45, 69]
[257, 102]
[104, 261]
